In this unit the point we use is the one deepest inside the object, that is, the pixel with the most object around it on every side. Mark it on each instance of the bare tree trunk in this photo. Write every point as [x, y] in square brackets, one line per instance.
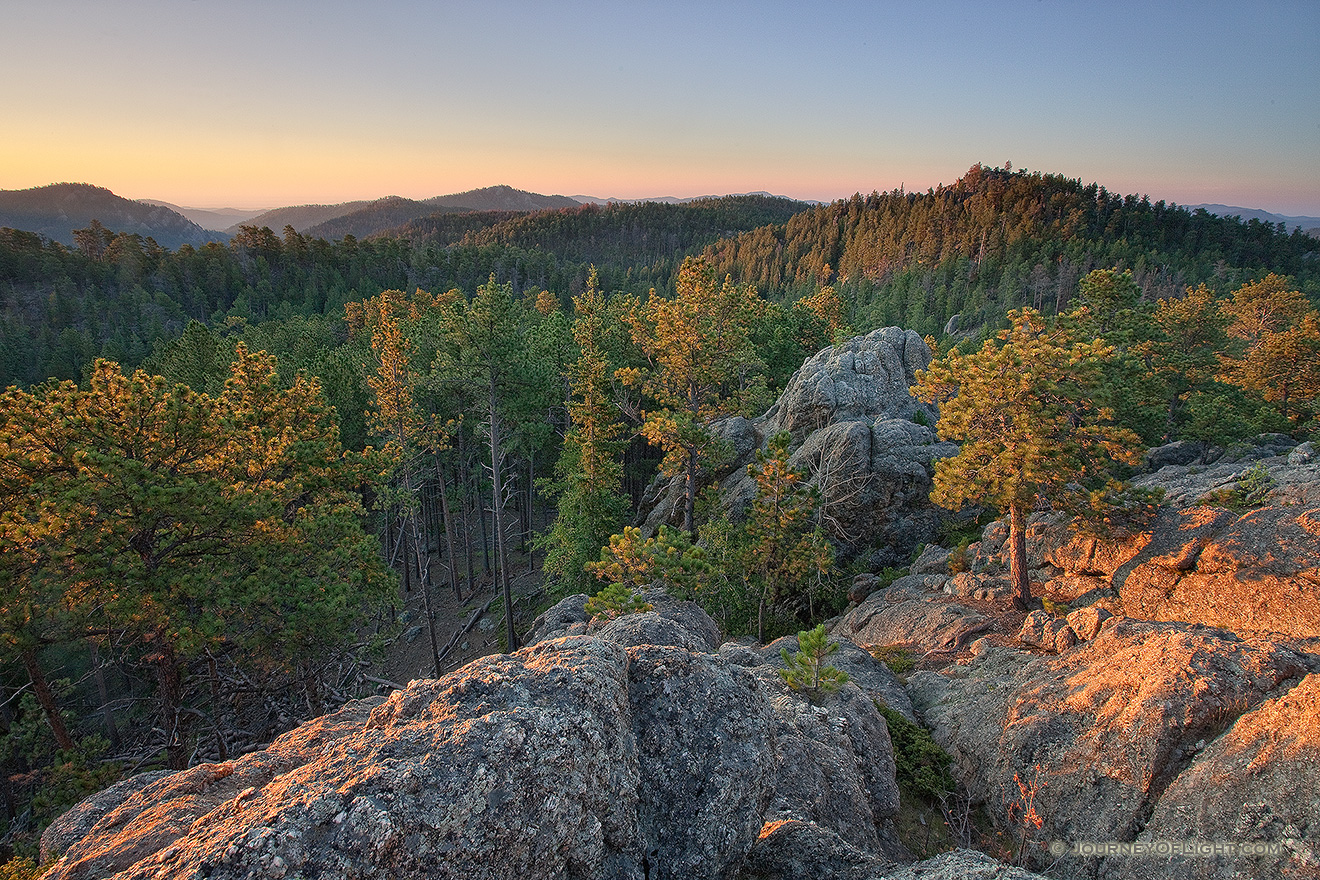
[449, 531]
[46, 698]
[497, 502]
[407, 568]
[423, 559]
[485, 533]
[214, 673]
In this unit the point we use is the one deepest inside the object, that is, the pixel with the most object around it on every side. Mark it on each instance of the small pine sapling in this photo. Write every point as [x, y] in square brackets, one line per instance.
[807, 670]
[616, 600]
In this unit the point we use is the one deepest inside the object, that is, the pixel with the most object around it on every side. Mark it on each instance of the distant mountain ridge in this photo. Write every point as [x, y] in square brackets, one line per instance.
[59, 208]
[1303, 223]
[365, 218]
[676, 200]
[216, 220]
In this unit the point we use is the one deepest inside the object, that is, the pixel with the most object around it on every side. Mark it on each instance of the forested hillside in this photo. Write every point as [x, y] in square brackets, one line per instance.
[115, 295]
[55, 211]
[997, 239]
[994, 240]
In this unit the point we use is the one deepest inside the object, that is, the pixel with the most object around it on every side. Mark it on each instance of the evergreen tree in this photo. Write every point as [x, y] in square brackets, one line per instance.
[589, 475]
[1023, 410]
[702, 366]
[1276, 350]
[784, 552]
[182, 522]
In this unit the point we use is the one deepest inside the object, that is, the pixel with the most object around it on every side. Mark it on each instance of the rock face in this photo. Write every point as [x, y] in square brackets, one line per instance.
[605, 755]
[854, 434]
[1253, 570]
[1107, 733]
[1256, 783]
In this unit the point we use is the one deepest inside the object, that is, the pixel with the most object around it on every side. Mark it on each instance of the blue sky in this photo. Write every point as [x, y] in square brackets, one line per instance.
[267, 103]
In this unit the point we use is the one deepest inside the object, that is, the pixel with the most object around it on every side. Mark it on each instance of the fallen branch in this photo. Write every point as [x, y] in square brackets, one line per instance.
[467, 628]
[384, 681]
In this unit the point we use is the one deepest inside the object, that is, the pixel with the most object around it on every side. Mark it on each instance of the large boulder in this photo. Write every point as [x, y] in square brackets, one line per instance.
[859, 437]
[858, 380]
[890, 617]
[1097, 734]
[630, 752]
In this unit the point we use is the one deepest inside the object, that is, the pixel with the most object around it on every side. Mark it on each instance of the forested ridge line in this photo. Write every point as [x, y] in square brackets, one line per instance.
[999, 238]
[994, 240]
[115, 295]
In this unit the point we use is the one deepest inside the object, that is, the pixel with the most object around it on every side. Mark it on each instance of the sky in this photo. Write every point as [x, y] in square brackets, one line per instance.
[245, 104]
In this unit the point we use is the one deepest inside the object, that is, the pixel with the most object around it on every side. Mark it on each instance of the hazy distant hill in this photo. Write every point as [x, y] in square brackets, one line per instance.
[1306, 224]
[217, 220]
[366, 218]
[502, 198]
[675, 200]
[371, 218]
[443, 228]
[300, 217]
[56, 210]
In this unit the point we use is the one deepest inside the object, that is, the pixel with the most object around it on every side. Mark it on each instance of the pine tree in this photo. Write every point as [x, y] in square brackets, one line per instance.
[702, 367]
[784, 553]
[589, 473]
[180, 522]
[807, 670]
[1276, 351]
[1023, 410]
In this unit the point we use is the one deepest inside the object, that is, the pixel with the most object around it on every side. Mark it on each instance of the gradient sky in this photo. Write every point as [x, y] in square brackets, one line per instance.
[258, 104]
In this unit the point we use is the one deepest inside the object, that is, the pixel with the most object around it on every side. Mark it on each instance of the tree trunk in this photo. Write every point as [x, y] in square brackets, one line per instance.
[1017, 555]
[212, 668]
[690, 501]
[177, 723]
[497, 501]
[46, 697]
[449, 532]
[103, 693]
[422, 557]
[485, 533]
[531, 509]
[424, 580]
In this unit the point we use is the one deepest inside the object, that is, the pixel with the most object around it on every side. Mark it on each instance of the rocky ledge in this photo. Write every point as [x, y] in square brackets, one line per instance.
[636, 750]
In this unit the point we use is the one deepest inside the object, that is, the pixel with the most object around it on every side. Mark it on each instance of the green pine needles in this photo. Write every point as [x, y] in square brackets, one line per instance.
[616, 600]
[807, 670]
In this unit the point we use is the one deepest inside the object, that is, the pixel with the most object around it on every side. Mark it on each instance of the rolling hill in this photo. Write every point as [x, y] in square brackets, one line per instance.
[55, 211]
[364, 218]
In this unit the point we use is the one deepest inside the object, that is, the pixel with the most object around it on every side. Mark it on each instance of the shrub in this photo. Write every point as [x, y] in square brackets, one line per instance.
[958, 558]
[898, 658]
[1058, 609]
[921, 766]
[1251, 489]
[19, 868]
